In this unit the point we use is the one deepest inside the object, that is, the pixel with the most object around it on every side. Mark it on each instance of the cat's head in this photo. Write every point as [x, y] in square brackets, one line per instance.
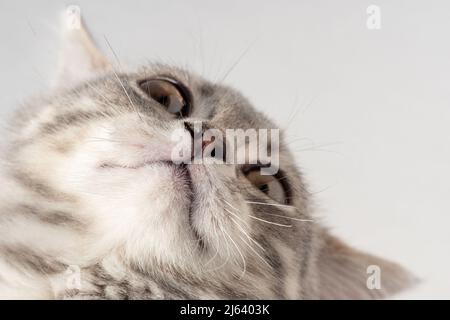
[99, 151]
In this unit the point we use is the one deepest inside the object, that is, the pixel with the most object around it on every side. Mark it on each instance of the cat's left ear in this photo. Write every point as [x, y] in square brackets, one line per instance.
[80, 58]
[346, 273]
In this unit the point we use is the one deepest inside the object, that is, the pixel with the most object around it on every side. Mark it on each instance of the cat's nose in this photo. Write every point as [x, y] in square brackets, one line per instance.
[204, 143]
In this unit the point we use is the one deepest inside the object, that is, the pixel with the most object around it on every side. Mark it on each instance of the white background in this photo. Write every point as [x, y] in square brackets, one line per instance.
[367, 111]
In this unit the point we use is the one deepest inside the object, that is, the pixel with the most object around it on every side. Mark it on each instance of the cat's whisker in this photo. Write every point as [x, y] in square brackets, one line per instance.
[237, 248]
[237, 61]
[228, 254]
[285, 217]
[323, 189]
[230, 205]
[271, 222]
[244, 267]
[299, 108]
[217, 250]
[128, 96]
[271, 204]
[234, 214]
[120, 81]
[255, 252]
[97, 139]
[249, 245]
[98, 92]
[242, 229]
[245, 233]
[213, 258]
[271, 214]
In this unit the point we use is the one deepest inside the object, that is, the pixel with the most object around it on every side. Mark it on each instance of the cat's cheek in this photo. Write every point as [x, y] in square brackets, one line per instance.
[220, 214]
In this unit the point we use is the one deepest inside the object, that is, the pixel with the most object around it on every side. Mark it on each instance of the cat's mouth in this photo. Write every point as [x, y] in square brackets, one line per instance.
[139, 165]
[179, 171]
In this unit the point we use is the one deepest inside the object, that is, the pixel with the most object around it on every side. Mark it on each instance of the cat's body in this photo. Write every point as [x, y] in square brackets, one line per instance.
[89, 192]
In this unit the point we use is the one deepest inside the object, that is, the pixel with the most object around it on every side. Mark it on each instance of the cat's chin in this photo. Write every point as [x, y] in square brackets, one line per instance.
[172, 209]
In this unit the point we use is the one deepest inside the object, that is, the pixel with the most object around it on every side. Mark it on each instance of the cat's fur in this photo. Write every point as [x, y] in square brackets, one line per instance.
[126, 227]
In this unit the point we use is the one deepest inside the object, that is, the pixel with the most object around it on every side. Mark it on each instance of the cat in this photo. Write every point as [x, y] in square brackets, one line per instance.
[93, 207]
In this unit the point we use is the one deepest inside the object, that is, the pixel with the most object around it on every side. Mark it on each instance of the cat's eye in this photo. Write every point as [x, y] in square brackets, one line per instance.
[270, 185]
[169, 93]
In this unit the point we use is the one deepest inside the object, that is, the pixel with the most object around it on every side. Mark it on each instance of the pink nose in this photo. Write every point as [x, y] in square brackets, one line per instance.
[207, 142]
[200, 142]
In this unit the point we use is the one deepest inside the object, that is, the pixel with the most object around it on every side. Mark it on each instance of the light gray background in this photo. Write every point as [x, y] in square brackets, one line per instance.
[367, 111]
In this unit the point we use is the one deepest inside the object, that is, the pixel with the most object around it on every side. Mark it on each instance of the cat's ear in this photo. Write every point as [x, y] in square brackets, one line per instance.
[346, 273]
[80, 58]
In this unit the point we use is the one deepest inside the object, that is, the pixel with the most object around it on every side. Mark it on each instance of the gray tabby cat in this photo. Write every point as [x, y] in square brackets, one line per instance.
[92, 206]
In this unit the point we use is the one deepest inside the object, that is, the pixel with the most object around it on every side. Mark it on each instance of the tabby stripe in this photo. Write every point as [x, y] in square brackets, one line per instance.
[21, 257]
[53, 217]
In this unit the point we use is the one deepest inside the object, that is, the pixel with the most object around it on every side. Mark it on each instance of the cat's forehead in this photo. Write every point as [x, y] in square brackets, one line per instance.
[199, 86]
[114, 80]
[158, 69]
[226, 105]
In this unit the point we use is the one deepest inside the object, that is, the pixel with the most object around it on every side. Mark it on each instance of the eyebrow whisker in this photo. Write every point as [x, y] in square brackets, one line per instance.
[120, 81]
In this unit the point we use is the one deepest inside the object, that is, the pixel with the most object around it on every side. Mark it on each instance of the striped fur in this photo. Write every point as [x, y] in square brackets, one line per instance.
[126, 227]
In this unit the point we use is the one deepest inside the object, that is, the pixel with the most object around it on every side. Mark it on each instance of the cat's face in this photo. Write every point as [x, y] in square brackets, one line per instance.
[106, 146]
[94, 164]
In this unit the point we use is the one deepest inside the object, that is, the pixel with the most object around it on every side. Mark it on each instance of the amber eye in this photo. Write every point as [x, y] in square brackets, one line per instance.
[268, 185]
[169, 93]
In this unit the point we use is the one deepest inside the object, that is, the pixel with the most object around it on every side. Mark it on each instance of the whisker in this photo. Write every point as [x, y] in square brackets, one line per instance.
[255, 252]
[126, 93]
[323, 189]
[237, 61]
[271, 222]
[212, 259]
[97, 139]
[244, 268]
[228, 253]
[271, 214]
[285, 217]
[304, 109]
[272, 204]
[98, 92]
[243, 231]
[230, 205]
[120, 81]
[254, 241]
[217, 250]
